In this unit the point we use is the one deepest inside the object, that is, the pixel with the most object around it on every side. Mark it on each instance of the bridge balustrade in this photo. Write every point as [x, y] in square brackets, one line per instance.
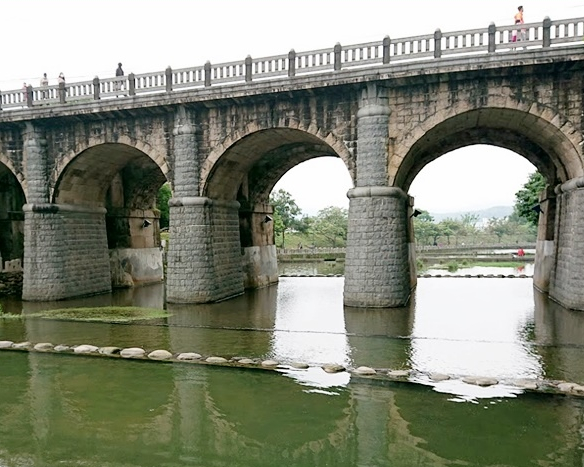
[389, 51]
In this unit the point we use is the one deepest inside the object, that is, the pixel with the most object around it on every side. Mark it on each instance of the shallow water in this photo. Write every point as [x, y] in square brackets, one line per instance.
[91, 411]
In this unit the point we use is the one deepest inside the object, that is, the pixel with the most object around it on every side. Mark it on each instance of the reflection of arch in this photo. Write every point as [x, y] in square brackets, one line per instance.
[249, 420]
[264, 155]
[86, 177]
[538, 134]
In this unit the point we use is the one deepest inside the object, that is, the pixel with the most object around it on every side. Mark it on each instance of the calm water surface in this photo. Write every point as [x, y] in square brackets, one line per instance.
[66, 410]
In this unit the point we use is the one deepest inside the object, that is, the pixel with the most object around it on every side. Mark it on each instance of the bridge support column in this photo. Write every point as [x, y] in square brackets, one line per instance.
[65, 252]
[567, 281]
[260, 262]
[544, 249]
[378, 269]
[204, 254]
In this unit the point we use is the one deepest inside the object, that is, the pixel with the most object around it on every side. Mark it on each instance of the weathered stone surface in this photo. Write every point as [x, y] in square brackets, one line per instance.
[62, 348]
[6, 344]
[132, 352]
[109, 350]
[398, 373]
[299, 365]
[439, 377]
[85, 348]
[43, 346]
[333, 368]
[22, 345]
[216, 360]
[189, 356]
[160, 355]
[246, 361]
[269, 363]
[480, 381]
[365, 370]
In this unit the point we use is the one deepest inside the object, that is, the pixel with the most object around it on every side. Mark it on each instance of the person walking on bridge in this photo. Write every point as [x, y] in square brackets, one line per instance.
[118, 82]
[518, 19]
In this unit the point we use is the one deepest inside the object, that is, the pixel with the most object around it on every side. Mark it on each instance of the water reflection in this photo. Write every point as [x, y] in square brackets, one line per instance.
[487, 327]
[60, 410]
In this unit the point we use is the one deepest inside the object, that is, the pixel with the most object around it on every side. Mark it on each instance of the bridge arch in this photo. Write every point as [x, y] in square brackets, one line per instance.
[259, 157]
[12, 200]
[545, 138]
[85, 175]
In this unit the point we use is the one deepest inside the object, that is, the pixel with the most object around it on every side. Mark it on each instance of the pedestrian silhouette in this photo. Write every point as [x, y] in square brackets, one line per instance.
[119, 72]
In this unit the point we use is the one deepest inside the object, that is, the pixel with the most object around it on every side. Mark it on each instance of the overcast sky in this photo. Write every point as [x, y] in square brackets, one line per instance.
[85, 38]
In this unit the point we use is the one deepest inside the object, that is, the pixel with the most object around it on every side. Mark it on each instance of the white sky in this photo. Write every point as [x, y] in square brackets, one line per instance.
[85, 38]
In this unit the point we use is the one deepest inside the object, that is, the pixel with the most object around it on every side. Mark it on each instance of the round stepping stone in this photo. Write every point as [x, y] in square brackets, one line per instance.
[159, 355]
[216, 360]
[22, 345]
[300, 365]
[246, 361]
[85, 348]
[6, 344]
[333, 368]
[365, 370]
[437, 377]
[62, 348]
[43, 346]
[398, 373]
[189, 356]
[109, 350]
[480, 381]
[270, 363]
[132, 352]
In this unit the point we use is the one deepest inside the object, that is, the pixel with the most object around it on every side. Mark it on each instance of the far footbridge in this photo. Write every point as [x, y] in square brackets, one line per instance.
[81, 163]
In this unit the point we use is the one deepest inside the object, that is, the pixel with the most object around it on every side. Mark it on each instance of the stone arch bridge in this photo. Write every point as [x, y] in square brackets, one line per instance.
[81, 164]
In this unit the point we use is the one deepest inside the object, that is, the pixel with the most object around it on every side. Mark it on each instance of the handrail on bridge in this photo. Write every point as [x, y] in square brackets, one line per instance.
[434, 46]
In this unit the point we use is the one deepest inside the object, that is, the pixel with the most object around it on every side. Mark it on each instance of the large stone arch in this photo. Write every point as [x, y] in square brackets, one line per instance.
[544, 137]
[259, 156]
[124, 180]
[83, 176]
[12, 200]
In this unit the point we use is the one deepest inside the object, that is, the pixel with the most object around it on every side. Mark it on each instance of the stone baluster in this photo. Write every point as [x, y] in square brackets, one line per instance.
[96, 88]
[248, 69]
[437, 43]
[131, 84]
[291, 63]
[547, 37]
[386, 49]
[207, 69]
[337, 52]
[168, 78]
[492, 47]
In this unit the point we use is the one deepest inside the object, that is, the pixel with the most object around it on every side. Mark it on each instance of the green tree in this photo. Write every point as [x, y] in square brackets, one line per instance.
[164, 195]
[332, 224]
[499, 227]
[528, 197]
[285, 212]
[425, 228]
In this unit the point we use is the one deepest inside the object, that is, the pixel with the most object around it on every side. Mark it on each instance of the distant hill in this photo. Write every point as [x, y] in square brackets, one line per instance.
[495, 211]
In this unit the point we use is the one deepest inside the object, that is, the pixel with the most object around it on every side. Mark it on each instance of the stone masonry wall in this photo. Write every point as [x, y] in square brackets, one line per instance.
[377, 261]
[65, 252]
[204, 256]
[567, 281]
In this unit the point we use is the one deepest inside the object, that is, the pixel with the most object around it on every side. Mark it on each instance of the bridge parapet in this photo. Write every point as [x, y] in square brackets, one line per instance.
[339, 58]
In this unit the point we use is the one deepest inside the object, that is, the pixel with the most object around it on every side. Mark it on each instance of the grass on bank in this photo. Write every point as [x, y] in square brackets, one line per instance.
[110, 314]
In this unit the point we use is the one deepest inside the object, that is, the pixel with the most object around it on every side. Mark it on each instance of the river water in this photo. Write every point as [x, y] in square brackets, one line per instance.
[71, 410]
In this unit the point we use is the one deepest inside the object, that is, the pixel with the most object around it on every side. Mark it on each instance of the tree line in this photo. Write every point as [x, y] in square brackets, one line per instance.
[328, 228]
